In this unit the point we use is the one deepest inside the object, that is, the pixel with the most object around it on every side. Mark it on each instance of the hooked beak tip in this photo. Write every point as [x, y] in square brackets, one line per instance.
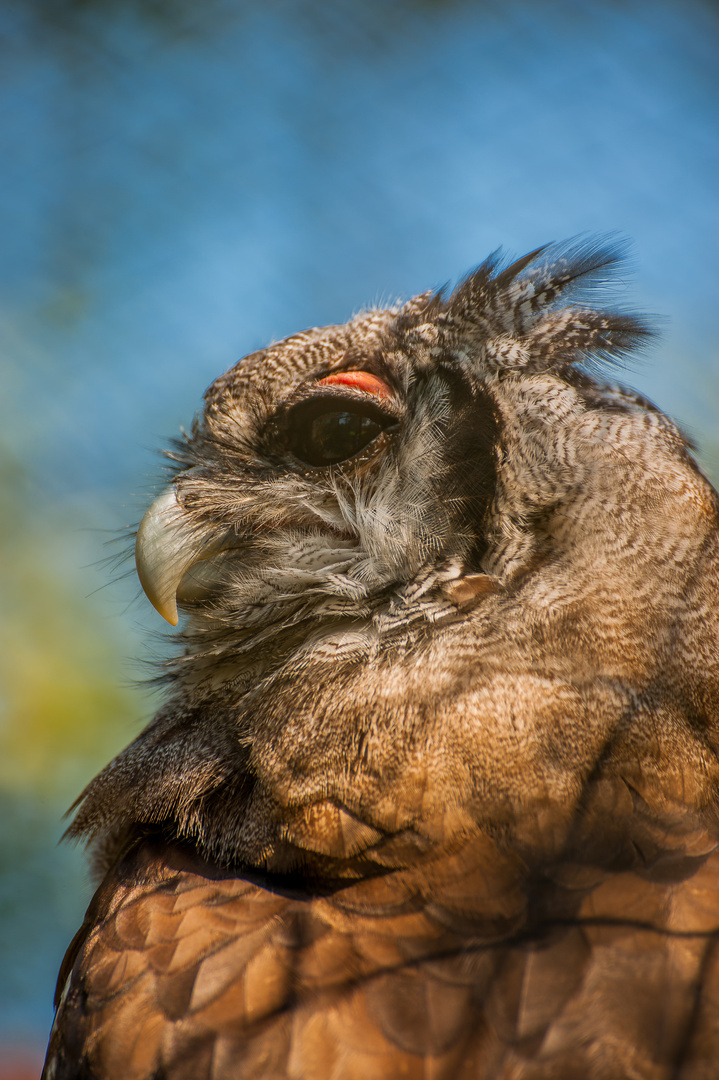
[161, 555]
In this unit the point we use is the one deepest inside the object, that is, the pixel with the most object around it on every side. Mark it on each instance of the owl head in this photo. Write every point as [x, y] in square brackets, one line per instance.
[353, 480]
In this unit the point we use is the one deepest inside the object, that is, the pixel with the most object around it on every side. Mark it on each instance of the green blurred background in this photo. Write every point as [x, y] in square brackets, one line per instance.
[183, 182]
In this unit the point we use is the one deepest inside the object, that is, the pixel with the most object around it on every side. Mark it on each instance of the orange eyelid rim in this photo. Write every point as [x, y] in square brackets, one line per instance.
[358, 380]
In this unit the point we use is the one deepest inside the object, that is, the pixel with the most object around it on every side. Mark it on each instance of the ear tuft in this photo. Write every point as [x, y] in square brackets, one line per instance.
[546, 309]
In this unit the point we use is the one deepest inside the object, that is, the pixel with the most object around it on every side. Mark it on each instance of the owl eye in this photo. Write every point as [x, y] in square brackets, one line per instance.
[336, 434]
[332, 431]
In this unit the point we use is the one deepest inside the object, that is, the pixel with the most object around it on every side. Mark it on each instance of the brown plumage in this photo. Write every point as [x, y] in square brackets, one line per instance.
[434, 791]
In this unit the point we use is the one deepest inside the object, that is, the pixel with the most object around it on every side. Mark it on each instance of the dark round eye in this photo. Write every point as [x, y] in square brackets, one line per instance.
[334, 435]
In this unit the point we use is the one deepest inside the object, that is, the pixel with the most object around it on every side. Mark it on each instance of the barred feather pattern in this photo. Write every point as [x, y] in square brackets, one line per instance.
[433, 792]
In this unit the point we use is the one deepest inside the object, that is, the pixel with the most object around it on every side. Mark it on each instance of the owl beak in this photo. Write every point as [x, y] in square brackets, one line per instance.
[167, 545]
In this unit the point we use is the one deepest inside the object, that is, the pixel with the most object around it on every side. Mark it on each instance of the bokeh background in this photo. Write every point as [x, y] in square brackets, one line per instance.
[181, 183]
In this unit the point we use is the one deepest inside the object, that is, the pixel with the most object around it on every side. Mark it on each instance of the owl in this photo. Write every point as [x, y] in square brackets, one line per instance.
[434, 790]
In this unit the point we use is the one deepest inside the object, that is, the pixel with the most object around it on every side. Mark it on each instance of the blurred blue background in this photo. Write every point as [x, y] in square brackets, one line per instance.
[183, 182]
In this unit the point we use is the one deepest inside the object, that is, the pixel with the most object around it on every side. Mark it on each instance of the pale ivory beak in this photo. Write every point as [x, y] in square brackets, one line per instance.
[165, 548]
